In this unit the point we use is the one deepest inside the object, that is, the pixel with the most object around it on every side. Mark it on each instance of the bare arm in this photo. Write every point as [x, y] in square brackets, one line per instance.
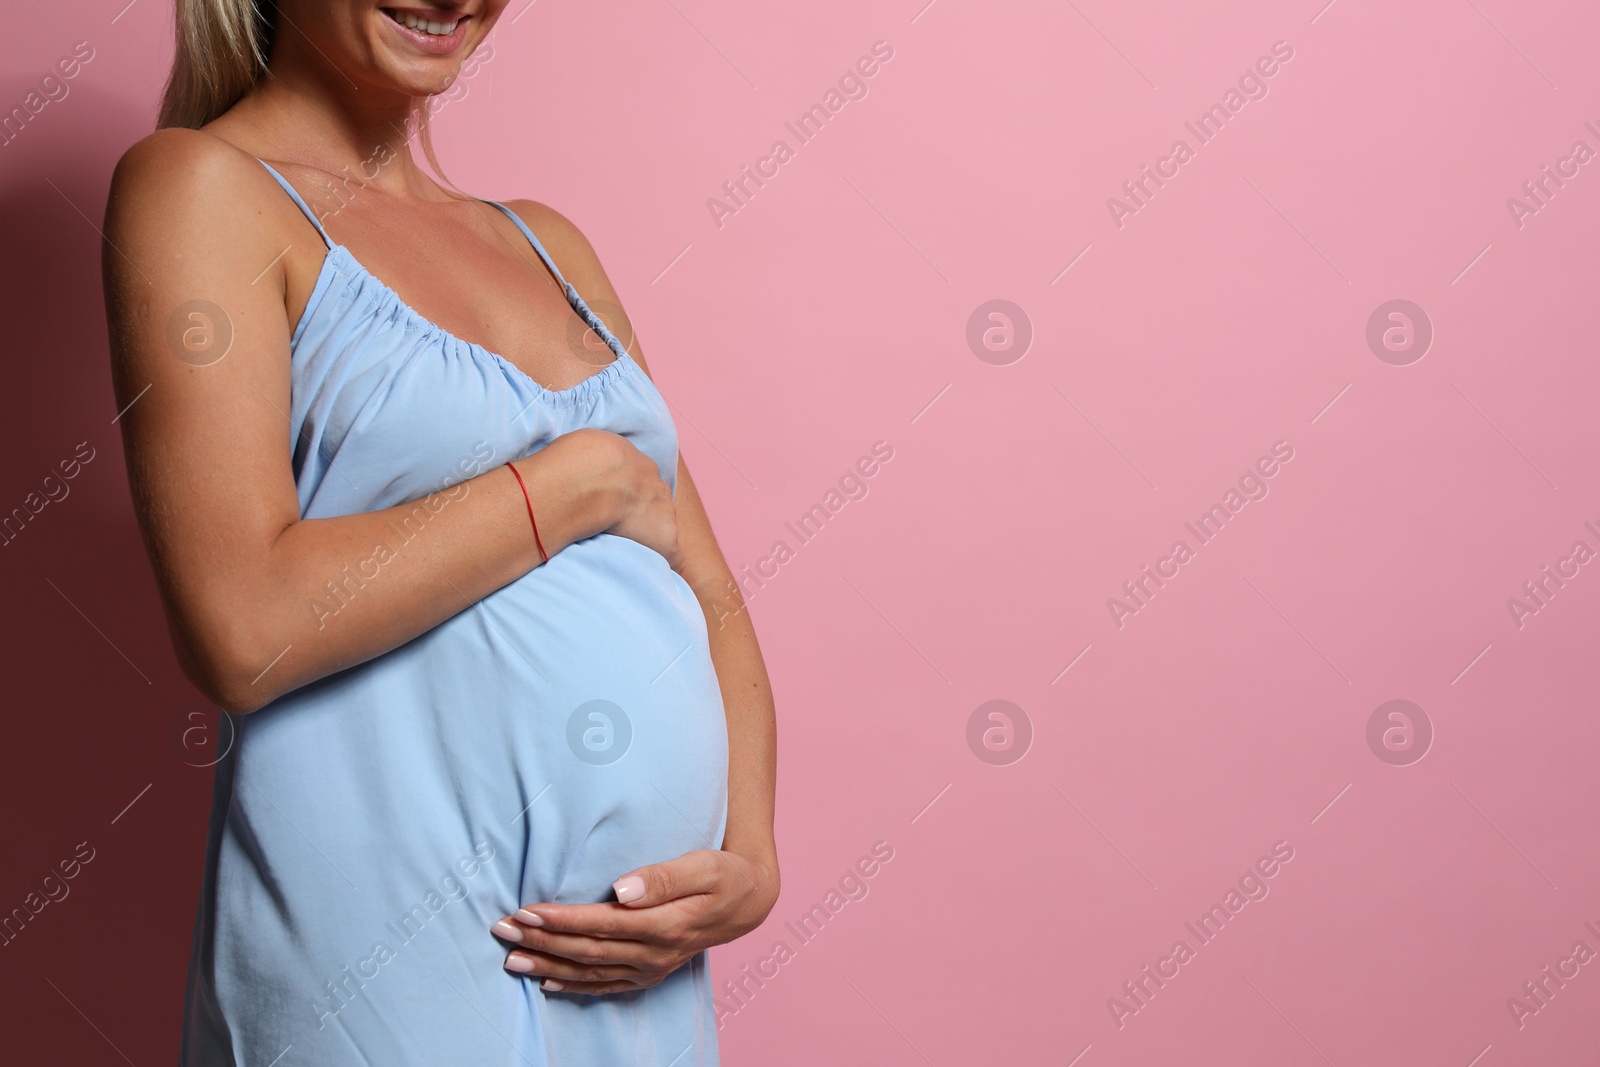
[746, 690]
[192, 219]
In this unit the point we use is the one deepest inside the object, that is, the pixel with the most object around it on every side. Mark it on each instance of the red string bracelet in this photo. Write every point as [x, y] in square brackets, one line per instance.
[543, 556]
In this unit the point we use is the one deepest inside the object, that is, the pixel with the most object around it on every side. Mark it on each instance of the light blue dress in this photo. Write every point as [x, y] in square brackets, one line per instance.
[369, 828]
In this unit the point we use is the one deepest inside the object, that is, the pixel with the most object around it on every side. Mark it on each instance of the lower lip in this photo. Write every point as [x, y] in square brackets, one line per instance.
[433, 44]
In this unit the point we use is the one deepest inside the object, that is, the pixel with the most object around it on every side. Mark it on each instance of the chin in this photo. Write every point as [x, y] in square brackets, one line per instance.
[419, 47]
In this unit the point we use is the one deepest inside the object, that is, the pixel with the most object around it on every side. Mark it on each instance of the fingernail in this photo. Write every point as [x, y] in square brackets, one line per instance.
[519, 964]
[552, 985]
[507, 930]
[629, 888]
[528, 917]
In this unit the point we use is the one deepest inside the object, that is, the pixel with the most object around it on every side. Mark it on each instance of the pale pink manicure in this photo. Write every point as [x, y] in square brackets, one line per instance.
[553, 985]
[629, 888]
[519, 964]
[506, 930]
[529, 918]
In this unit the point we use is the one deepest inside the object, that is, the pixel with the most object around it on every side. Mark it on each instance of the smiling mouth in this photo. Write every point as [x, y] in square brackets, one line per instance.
[418, 24]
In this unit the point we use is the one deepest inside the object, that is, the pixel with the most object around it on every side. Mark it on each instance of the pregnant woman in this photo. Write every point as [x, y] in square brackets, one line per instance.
[499, 744]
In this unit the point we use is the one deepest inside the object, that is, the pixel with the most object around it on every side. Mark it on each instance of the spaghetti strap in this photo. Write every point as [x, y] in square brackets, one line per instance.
[512, 215]
[575, 298]
[301, 204]
[537, 247]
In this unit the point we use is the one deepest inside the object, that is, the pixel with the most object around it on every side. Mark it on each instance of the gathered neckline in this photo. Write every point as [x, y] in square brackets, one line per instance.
[416, 320]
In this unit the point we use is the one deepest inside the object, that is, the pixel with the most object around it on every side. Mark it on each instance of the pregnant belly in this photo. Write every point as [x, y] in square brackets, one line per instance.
[571, 720]
[607, 702]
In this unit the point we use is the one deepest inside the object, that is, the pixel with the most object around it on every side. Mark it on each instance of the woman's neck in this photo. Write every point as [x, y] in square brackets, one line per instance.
[304, 111]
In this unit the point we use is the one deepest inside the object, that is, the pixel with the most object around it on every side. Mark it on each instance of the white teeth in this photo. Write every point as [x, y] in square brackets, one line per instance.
[422, 25]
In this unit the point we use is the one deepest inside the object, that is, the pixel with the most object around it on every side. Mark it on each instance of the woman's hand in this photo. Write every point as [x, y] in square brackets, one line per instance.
[666, 913]
[635, 502]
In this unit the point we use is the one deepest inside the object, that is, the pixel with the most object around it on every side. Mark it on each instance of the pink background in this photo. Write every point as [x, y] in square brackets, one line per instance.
[1229, 313]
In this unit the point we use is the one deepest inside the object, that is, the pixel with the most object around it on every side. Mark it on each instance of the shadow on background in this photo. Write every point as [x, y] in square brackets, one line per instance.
[97, 897]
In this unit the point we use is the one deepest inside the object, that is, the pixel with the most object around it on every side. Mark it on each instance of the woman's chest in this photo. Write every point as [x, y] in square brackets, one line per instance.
[387, 408]
[465, 268]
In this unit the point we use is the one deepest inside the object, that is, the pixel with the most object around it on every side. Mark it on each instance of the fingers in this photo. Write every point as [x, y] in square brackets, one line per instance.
[557, 975]
[554, 973]
[693, 872]
[589, 920]
[595, 951]
[588, 988]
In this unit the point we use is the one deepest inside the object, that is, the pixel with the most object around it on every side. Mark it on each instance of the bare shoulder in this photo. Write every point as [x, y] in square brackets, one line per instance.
[180, 155]
[178, 188]
[192, 222]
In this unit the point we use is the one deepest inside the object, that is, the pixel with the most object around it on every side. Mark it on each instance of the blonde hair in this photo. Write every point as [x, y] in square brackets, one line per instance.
[221, 53]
